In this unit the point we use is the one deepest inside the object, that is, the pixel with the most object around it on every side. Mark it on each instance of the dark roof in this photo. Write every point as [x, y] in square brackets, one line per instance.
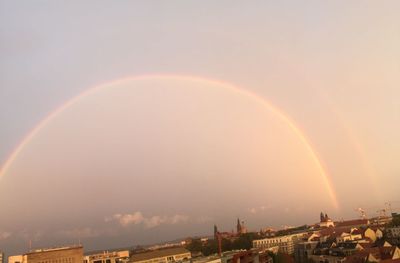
[158, 253]
[360, 257]
[346, 245]
[380, 253]
[365, 245]
[356, 222]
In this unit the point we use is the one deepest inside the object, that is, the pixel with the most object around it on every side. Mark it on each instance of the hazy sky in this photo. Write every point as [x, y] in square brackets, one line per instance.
[159, 158]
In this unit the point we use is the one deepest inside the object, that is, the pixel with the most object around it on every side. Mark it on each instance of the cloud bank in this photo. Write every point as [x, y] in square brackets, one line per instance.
[137, 218]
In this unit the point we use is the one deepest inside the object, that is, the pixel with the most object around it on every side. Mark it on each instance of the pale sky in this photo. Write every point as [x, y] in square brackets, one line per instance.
[160, 158]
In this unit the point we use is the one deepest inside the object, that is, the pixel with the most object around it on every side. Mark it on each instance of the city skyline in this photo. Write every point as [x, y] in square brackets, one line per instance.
[135, 122]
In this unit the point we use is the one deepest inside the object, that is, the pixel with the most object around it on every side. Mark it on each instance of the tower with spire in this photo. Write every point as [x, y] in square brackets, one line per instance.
[325, 221]
[238, 227]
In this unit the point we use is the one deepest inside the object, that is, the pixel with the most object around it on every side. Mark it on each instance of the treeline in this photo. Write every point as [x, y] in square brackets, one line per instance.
[395, 220]
[244, 241]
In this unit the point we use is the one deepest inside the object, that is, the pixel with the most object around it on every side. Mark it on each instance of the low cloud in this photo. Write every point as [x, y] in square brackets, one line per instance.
[4, 235]
[137, 218]
[255, 210]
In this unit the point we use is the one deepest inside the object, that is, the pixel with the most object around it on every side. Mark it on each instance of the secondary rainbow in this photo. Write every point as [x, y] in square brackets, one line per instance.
[284, 117]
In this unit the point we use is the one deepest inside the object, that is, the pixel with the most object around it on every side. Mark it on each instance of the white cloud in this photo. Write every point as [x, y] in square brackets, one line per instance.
[149, 222]
[4, 235]
[255, 210]
[128, 219]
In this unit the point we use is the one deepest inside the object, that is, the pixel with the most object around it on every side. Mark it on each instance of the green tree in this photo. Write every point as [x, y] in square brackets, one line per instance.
[195, 246]
[210, 248]
[395, 221]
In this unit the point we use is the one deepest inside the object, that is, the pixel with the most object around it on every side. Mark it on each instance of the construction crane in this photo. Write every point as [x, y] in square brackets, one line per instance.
[363, 215]
[382, 212]
[389, 205]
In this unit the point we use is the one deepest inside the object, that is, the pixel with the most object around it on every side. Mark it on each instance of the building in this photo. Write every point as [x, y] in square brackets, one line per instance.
[344, 235]
[372, 233]
[240, 227]
[52, 255]
[264, 256]
[168, 255]
[246, 256]
[16, 259]
[393, 231]
[209, 259]
[107, 257]
[326, 259]
[375, 254]
[249, 256]
[303, 250]
[285, 243]
[380, 220]
[325, 221]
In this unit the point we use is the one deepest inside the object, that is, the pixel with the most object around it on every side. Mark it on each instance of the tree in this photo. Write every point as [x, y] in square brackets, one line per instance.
[195, 245]
[210, 248]
[395, 221]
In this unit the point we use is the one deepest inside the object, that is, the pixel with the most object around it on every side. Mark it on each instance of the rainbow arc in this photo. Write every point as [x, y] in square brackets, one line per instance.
[275, 110]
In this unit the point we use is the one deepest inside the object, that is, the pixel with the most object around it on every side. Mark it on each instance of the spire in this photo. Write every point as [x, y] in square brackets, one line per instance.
[238, 226]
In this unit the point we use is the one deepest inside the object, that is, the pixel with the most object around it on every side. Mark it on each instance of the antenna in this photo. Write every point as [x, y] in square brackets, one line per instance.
[363, 215]
[382, 212]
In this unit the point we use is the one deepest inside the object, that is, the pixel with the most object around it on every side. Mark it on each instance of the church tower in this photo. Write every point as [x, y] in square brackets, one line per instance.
[238, 227]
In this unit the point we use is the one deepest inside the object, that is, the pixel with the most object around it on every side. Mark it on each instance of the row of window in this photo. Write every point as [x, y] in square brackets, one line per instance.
[271, 241]
[99, 261]
[58, 260]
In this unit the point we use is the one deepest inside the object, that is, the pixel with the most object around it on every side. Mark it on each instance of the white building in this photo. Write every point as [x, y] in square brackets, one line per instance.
[168, 255]
[107, 257]
[16, 259]
[51, 255]
[285, 243]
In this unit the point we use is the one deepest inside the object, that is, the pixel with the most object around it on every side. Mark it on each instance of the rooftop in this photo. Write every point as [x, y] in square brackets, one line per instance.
[158, 253]
[53, 249]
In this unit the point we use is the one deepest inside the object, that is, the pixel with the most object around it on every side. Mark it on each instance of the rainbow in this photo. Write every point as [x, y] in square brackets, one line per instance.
[276, 111]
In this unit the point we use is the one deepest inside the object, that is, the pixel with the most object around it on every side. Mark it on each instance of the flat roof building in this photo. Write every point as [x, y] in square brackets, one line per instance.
[285, 243]
[107, 257]
[168, 255]
[51, 255]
